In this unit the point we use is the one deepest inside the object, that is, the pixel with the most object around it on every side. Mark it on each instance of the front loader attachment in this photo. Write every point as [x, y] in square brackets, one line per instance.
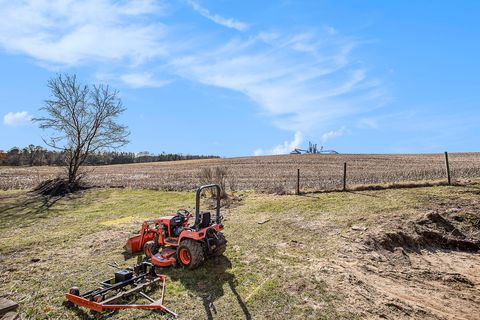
[134, 244]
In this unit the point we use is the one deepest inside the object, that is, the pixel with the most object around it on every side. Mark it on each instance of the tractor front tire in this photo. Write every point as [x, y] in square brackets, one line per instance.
[221, 245]
[190, 254]
[150, 248]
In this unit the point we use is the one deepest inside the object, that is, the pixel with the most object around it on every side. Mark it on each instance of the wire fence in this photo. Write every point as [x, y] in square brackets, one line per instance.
[275, 174]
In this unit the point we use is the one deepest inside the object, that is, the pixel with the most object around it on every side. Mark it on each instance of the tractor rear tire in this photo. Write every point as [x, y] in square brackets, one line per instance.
[150, 249]
[190, 254]
[221, 245]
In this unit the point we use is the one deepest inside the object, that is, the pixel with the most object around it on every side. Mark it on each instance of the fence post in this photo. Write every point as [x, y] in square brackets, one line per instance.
[448, 168]
[344, 176]
[298, 182]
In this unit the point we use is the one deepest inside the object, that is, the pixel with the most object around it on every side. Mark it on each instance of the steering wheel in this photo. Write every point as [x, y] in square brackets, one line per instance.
[184, 212]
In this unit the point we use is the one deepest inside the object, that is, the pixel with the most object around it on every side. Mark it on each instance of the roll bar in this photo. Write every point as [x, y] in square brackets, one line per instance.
[197, 202]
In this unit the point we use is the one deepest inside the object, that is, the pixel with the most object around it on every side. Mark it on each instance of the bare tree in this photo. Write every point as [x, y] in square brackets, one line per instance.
[81, 120]
[34, 155]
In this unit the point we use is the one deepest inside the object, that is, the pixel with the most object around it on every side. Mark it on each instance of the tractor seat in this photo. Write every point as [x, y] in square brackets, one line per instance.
[205, 220]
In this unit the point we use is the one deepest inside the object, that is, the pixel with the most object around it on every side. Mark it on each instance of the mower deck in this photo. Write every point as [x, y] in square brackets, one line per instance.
[165, 258]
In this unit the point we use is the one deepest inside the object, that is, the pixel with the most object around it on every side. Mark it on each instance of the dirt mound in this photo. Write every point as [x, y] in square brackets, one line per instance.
[57, 187]
[450, 230]
[421, 267]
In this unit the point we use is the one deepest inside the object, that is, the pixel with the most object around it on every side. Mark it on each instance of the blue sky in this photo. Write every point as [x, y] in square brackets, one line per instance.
[237, 78]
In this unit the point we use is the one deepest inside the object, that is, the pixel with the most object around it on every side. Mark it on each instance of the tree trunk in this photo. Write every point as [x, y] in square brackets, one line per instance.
[72, 171]
[71, 175]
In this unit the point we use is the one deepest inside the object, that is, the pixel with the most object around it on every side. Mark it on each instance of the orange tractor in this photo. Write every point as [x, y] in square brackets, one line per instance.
[171, 239]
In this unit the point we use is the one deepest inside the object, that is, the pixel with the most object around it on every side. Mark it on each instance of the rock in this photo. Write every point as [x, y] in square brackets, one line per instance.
[6, 306]
[359, 228]
[11, 316]
[263, 221]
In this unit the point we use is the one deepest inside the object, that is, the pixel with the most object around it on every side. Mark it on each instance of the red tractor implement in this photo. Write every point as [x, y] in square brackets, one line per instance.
[126, 283]
[171, 240]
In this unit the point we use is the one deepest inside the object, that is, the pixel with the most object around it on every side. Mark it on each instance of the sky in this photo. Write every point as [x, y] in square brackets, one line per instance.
[241, 78]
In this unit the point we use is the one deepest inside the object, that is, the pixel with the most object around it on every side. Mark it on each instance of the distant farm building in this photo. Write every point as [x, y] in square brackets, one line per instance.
[142, 154]
[312, 149]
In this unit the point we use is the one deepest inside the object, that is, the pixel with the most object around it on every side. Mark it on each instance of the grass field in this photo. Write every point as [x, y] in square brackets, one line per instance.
[287, 257]
[269, 173]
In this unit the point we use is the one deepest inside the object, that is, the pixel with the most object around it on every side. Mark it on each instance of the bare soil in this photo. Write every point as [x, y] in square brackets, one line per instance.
[427, 267]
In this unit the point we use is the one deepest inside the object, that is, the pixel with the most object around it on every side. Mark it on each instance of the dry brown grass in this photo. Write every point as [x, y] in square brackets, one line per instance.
[318, 172]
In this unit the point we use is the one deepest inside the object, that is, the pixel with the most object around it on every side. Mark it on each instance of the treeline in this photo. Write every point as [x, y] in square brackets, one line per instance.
[39, 156]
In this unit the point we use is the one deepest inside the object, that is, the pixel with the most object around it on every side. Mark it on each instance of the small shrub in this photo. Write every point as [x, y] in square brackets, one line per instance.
[232, 182]
[216, 175]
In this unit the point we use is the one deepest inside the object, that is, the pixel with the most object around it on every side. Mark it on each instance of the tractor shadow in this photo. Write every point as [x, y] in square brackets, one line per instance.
[208, 281]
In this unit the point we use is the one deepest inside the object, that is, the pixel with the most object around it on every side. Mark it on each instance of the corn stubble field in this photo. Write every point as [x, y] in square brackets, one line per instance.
[266, 174]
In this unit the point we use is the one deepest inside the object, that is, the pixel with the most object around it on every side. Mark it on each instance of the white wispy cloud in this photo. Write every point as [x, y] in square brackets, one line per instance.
[226, 22]
[303, 80]
[71, 32]
[142, 80]
[284, 148]
[330, 30]
[368, 123]
[333, 134]
[15, 119]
